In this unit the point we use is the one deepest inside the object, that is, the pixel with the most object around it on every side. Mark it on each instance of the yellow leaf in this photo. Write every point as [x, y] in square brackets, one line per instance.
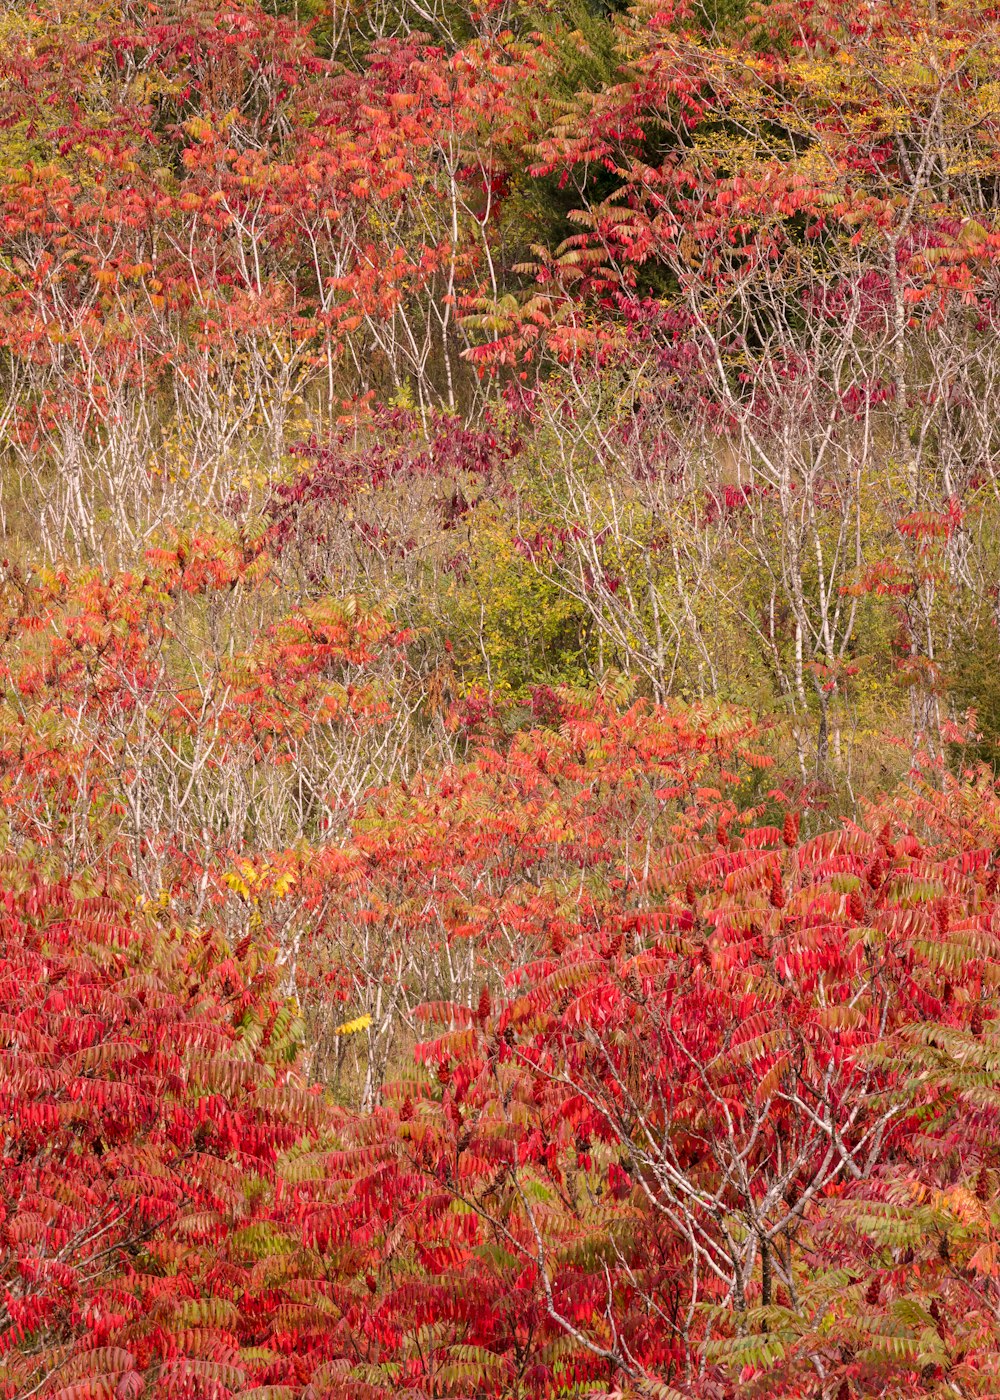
[360, 1023]
[236, 884]
[284, 883]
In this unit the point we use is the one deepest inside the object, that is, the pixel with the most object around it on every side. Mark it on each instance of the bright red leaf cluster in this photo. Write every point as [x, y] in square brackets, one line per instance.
[694, 1054]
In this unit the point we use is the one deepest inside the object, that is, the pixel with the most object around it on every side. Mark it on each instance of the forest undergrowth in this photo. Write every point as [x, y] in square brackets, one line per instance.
[499, 700]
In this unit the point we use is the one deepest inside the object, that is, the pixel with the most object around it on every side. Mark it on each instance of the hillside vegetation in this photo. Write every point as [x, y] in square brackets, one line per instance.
[499, 700]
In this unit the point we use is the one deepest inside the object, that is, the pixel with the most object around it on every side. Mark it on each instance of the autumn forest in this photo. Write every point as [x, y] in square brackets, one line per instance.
[499, 699]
